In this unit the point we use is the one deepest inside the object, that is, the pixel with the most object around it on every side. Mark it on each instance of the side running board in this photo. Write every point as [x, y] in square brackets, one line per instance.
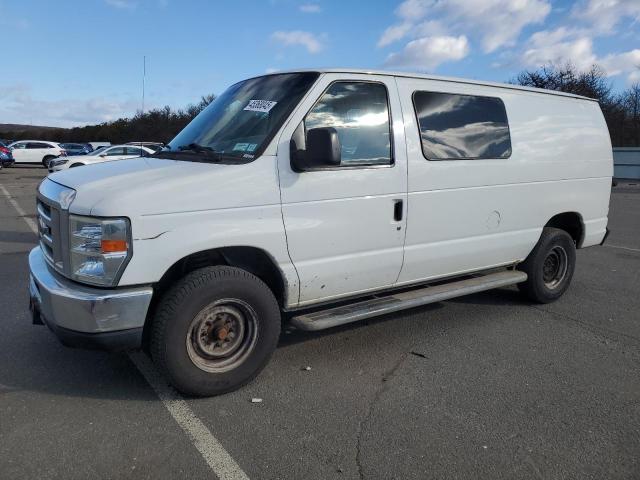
[332, 317]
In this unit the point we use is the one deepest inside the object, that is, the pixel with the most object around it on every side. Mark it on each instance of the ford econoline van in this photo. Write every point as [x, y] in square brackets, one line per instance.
[318, 198]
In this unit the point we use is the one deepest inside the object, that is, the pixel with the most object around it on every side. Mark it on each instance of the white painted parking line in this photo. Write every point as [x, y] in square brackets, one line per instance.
[21, 212]
[218, 459]
[211, 450]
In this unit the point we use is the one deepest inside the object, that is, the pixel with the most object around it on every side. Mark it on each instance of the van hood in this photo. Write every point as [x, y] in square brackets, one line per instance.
[152, 186]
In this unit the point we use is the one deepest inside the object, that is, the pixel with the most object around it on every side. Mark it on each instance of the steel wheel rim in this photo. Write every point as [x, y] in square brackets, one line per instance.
[555, 267]
[222, 335]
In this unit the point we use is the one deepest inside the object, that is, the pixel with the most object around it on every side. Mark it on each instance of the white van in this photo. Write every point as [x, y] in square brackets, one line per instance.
[318, 198]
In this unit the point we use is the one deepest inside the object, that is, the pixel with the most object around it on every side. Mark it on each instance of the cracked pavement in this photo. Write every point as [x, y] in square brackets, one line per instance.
[485, 386]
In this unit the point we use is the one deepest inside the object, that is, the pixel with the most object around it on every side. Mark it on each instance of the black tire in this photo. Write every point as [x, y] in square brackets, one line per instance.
[46, 160]
[549, 266]
[178, 337]
[76, 165]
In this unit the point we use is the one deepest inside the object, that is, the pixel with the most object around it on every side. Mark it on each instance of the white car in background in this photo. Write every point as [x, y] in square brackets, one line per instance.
[36, 151]
[104, 154]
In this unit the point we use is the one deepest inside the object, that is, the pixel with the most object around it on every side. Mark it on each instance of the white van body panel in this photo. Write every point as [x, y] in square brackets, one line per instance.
[467, 215]
[332, 233]
[177, 208]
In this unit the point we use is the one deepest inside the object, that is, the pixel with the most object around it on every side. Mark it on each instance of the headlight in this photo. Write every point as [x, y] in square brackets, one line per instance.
[56, 162]
[100, 249]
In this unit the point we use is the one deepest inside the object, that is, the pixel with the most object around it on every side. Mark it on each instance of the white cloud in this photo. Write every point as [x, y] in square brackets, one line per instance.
[616, 64]
[312, 43]
[310, 8]
[557, 47]
[575, 46]
[122, 4]
[395, 33]
[427, 53]
[634, 77]
[604, 15]
[18, 105]
[495, 23]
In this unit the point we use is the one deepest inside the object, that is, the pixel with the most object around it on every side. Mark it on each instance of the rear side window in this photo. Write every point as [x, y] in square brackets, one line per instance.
[462, 127]
[35, 145]
[115, 151]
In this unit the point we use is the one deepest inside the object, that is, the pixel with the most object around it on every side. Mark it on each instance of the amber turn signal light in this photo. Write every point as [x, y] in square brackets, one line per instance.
[112, 246]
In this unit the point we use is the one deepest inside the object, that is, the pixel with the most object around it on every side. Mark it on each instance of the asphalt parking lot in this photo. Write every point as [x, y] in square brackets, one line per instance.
[485, 386]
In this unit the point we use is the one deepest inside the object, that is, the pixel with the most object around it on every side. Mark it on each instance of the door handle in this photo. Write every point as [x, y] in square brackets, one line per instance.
[397, 210]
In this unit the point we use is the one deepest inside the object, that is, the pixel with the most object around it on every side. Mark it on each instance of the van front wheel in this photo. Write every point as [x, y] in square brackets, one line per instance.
[215, 330]
[549, 266]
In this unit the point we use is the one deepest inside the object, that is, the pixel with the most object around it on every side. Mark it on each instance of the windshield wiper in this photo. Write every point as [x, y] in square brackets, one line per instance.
[195, 147]
[189, 152]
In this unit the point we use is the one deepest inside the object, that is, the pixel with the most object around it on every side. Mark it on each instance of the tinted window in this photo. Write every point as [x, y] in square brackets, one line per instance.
[133, 151]
[115, 151]
[462, 126]
[38, 145]
[359, 112]
[241, 122]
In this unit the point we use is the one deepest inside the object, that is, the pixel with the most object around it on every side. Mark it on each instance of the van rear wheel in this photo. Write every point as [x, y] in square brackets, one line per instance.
[215, 330]
[549, 266]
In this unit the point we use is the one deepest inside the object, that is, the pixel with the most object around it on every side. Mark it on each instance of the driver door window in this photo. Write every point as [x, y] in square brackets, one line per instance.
[359, 112]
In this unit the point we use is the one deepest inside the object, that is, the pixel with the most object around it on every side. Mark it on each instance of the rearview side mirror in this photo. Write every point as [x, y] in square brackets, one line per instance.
[320, 149]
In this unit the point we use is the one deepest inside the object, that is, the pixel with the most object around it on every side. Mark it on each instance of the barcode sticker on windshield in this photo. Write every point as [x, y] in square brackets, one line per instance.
[260, 105]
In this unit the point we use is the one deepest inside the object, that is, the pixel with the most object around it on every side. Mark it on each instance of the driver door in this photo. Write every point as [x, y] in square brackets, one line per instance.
[345, 223]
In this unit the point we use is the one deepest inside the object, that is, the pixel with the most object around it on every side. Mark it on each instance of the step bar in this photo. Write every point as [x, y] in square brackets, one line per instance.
[332, 317]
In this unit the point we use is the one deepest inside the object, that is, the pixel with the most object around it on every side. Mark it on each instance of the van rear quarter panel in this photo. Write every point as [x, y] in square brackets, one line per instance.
[466, 215]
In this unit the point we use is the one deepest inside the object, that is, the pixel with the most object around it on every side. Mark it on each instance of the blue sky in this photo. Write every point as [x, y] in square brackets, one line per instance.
[77, 62]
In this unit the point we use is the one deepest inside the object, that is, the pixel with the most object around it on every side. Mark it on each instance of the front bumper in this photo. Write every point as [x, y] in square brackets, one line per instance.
[83, 316]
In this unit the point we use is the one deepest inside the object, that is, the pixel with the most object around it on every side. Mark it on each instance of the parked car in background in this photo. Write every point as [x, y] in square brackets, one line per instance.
[155, 146]
[36, 151]
[6, 141]
[97, 145]
[106, 154]
[77, 148]
[6, 157]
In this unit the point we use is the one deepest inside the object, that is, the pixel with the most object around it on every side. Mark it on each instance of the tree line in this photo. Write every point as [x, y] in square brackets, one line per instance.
[156, 125]
[621, 111]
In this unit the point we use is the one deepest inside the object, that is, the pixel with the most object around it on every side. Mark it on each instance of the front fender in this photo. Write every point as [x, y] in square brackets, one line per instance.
[166, 239]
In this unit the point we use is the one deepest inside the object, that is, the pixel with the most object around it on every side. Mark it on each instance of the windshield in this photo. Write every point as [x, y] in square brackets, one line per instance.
[241, 122]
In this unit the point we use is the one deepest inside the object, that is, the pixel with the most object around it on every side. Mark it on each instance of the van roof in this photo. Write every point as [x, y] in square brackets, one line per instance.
[436, 77]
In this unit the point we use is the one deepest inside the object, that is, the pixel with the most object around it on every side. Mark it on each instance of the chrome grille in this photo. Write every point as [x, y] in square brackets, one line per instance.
[53, 223]
[49, 233]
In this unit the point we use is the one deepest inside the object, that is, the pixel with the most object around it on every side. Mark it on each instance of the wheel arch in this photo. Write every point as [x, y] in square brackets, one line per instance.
[570, 222]
[252, 259]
